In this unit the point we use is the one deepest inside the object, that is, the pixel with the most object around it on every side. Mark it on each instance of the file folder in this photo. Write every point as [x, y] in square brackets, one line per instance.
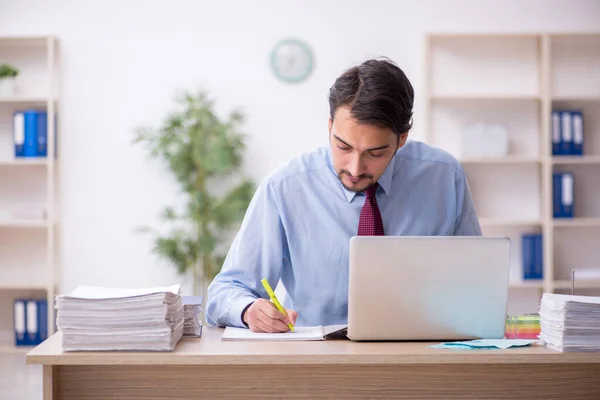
[42, 323]
[567, 195]
[30, 143]
[556, 194]
[42, 134]
[538, 258]
[566, 132]
[577, 119]
[32, 322]
[30, 133]
[556, 133]
[532, 257]
[18, 133]
[528, 254]
[19, 323]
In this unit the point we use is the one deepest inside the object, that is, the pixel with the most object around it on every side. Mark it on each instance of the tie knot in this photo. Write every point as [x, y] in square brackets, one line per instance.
[371, 190]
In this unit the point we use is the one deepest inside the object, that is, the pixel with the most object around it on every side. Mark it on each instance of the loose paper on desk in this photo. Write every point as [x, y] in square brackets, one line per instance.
[485, 344]
[97, 293]
[301, 333]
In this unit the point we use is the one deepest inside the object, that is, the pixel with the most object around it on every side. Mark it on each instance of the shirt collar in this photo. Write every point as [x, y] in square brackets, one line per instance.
[385, 181]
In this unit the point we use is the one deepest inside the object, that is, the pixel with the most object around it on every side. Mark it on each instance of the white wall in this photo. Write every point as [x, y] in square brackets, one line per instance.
[122, 61]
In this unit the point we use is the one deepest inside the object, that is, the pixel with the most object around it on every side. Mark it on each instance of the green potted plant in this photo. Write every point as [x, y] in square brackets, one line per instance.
[8, 74]
[204, 154]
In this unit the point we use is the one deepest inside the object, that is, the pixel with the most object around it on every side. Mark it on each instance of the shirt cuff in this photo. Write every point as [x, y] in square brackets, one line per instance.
[236, 310]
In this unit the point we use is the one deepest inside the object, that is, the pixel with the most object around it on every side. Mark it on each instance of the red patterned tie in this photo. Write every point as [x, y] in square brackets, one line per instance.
[370, 223]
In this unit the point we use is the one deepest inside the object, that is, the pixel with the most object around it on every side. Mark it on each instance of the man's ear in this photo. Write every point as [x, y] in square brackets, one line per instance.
[330, 124]
[402, 139]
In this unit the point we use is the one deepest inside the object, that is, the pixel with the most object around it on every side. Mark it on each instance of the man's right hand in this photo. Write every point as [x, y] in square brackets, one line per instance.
[263, 316]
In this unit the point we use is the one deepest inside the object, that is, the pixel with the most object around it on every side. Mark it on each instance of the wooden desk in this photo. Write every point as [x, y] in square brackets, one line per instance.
[208, 368]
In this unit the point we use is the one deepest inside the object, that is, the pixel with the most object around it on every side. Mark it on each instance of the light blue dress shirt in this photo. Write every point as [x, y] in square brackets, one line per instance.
[299, 223]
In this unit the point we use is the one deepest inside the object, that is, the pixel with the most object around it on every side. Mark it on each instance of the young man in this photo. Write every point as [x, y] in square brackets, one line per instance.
[368, 181]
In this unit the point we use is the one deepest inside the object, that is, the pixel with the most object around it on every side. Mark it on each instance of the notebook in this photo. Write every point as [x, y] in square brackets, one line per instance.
[301, 333]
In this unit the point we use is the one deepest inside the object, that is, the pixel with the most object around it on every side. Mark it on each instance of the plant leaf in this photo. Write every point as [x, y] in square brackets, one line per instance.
[233, 206]
[199, 149]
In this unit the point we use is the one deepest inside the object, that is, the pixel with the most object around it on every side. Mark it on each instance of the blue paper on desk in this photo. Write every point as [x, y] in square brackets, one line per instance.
[485, 344]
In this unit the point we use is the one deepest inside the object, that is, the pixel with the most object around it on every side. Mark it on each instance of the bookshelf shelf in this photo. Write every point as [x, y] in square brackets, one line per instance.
[24, 162]
[584, 98]
[579, 284]
[23, 41]
[24, 224]
[527, 284]
[10, 349]
[575, 222]
[484, 97]
[510, 223]
[515, 81]
[7, 286]
[24, 100]
[28, 257]
[572, 160]
[501, 160]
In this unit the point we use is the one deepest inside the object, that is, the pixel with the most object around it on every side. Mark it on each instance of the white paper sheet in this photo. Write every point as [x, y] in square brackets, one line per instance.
[301, 333]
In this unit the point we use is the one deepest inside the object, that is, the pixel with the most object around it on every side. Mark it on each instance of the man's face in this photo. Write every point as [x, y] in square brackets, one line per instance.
[360, 152]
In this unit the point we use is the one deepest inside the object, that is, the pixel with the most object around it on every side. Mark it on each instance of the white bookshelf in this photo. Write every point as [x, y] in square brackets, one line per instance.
[516, 80]
[28, 218]
[519, 160]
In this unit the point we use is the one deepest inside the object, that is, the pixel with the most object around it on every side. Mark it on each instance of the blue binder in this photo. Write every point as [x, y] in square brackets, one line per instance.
[30, 133]
[538, 263]
[567, 198]
[577, 126]
[528, 251]
[32, 322]
[556, 133]
[42, 134]
[18, 131]
[556, 194]
[42, 317]
[19, 322]
[30, 144]
[566, 130]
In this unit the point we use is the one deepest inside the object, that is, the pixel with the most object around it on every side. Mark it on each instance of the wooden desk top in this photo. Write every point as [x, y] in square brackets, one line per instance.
[210, 350]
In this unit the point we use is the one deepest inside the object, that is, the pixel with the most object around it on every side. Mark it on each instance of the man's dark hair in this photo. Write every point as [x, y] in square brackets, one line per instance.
[377, 92]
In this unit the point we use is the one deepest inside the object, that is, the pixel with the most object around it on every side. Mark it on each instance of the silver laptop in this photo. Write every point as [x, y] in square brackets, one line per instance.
[428, 287]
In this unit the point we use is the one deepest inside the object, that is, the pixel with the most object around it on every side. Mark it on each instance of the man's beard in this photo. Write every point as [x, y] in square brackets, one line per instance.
[367, 181]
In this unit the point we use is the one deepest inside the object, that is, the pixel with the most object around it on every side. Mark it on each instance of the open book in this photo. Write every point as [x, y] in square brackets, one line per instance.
[301, 333]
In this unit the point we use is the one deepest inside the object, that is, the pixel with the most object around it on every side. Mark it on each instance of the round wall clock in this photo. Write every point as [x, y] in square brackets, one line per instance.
[291, 60]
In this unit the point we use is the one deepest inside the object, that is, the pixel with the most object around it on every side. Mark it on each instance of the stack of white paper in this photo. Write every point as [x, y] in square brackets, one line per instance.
[97, 319]
[570, 323]
[192, 320]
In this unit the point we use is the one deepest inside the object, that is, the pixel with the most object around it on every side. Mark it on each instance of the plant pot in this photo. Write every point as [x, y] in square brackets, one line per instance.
[7, 86]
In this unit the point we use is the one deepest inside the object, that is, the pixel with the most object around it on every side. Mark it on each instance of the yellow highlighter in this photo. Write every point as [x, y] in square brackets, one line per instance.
[275, 301]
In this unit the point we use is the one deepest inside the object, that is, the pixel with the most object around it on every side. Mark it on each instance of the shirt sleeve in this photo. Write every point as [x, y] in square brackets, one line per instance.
[256, 253]
[467, 223]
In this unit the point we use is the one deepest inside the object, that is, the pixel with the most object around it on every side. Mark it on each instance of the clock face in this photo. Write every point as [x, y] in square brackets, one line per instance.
[291, 60]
